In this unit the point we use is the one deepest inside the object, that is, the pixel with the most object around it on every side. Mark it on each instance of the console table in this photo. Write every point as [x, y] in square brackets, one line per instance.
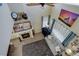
[22, 29]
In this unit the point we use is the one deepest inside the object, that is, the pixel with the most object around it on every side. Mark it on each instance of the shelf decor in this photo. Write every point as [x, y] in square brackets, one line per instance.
[19, 16]
[14, 15]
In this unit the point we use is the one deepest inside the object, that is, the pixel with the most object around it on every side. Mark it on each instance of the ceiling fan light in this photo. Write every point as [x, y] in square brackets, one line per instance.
[42, 4]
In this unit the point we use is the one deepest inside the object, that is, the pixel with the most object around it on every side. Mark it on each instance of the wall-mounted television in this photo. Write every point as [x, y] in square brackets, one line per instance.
[68, 17]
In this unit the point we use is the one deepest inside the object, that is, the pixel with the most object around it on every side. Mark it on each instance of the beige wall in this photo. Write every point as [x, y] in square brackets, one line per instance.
[56, 11]
[6, 26]
[34, 13]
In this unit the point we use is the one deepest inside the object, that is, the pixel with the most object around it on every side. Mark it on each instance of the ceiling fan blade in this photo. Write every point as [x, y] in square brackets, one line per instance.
[50, 4]
[33, 4]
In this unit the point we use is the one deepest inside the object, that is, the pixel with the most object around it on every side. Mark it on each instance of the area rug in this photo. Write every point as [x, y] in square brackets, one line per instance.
[39, 48]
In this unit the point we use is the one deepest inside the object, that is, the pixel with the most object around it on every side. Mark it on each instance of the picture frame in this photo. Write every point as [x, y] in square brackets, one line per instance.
[21, 26]
[68, 17]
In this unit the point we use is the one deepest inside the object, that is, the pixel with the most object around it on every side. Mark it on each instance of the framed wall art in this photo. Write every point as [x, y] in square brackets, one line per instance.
[68, 17]
[21, 26]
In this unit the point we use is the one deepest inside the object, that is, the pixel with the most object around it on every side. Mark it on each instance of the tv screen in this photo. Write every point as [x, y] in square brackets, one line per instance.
[68, 17]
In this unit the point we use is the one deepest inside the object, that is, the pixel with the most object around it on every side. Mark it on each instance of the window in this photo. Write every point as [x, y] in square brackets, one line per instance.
[45, 21]
[60, 31]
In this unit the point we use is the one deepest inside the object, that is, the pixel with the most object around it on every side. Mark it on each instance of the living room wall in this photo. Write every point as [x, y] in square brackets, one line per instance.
[6, 26]
[73, 8]
[34, 13]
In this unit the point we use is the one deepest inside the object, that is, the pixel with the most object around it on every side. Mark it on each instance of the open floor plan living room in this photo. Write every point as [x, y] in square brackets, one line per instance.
[39, 29]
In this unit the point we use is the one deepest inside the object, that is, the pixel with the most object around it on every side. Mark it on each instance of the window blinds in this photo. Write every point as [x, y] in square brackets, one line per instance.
[60, 31]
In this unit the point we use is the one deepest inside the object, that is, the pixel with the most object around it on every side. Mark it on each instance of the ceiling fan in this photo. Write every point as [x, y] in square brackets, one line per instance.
[42, 4]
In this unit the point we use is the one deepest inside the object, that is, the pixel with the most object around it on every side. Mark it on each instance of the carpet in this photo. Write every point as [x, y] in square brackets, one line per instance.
[39, 48]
